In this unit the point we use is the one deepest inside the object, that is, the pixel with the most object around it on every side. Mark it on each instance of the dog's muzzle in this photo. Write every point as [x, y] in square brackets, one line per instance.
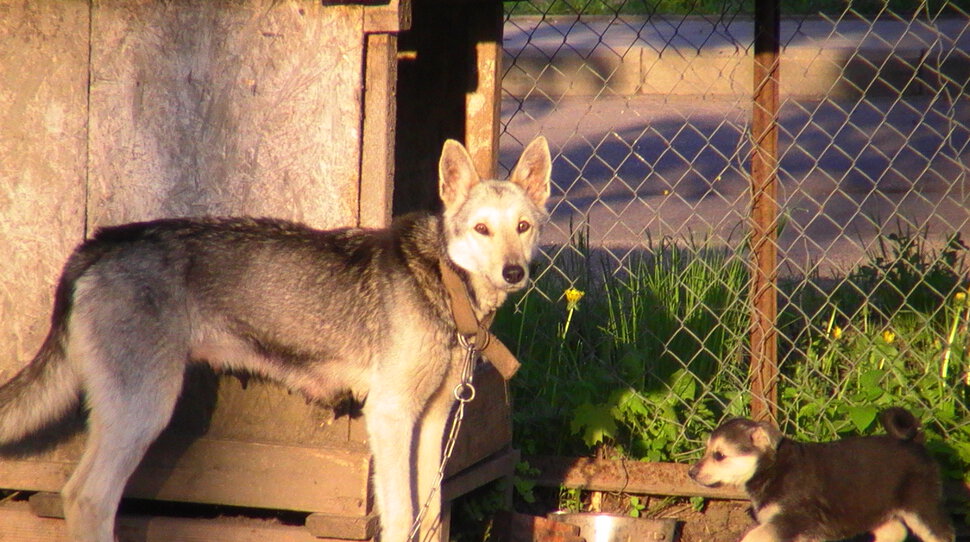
[695, 471]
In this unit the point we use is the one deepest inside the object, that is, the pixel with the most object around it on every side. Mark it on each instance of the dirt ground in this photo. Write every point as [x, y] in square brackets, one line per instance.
[718, 521]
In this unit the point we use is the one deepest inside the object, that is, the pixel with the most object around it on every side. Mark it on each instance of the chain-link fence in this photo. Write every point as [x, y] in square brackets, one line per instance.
[648, 107]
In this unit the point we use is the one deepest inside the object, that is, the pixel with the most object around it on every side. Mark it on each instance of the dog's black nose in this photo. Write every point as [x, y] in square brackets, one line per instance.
[693, 472]
[513, 274]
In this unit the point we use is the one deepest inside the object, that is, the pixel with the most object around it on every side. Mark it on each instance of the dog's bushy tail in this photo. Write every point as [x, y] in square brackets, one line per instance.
[901, 424]
[41, 393]
[48, 387]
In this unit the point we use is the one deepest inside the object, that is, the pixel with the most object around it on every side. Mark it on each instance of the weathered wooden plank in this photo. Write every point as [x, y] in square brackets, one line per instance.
[327, 480]
[380, 118]
[628, 476]
[642, 478]
[342, 527]
[500, 465]
[392, 17]
[484, 97]
[20, 525]
[43, 166]
[267, 413]
[45, 504]
[487, 426]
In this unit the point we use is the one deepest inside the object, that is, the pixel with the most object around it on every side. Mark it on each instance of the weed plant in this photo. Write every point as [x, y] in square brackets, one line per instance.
[644, 348]
[654, 354]
[893, 332]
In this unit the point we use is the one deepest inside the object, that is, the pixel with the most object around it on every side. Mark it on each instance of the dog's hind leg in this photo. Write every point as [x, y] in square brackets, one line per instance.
[121, 428]
[930, 524]
[765, 532]
[891, 531]
[132, 371]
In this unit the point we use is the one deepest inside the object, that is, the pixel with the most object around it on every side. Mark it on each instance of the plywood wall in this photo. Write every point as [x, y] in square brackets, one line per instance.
[225, 107]
[113, 111]
[43, 162]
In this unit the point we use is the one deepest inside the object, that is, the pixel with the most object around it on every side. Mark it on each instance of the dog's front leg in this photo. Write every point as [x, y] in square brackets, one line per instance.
[390, 428]
[433, 427]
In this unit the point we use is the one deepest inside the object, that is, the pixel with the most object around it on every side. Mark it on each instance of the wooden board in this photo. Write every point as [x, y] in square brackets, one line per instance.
[291, 476]
[331, 481]
[487, 426]
[20, 525]
[635, 477]
[483, 99]
[380, 116]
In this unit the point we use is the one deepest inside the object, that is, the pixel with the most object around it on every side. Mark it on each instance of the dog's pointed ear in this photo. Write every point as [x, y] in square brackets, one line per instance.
[456, 174]
[766, 437]
[534, 170]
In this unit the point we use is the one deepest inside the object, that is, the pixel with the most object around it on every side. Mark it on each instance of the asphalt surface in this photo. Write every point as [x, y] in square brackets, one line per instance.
[639, 165]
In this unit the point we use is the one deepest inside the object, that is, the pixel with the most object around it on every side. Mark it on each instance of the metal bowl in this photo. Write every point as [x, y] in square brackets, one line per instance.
[596, 527]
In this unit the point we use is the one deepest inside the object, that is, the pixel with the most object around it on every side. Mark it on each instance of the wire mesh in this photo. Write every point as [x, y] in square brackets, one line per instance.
[647, 107]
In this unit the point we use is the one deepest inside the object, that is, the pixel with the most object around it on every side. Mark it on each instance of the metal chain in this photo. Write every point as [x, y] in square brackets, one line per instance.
[464, 393]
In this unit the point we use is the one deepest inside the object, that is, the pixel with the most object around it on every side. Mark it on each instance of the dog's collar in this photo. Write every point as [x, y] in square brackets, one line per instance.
[475, 333]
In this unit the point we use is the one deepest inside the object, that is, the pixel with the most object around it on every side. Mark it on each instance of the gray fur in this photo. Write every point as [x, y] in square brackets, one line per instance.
[322, 312]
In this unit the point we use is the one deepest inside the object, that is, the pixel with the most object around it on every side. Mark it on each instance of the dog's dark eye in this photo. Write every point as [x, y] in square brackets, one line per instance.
[481, 228]
[718, 456]
[523, 226]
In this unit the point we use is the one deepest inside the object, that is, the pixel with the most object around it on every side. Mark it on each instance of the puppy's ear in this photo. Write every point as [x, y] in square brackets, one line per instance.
[534, 170]
[456, 174]
[766, 437]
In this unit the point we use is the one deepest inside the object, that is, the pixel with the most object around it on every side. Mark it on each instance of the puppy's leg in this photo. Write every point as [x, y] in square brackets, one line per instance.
[433, 426]
[890, 531]
[390, 417]
[766, 532]
[930, 524]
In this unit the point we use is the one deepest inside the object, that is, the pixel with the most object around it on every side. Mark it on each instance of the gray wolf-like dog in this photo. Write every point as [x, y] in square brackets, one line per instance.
[323, 313]
[883, 484]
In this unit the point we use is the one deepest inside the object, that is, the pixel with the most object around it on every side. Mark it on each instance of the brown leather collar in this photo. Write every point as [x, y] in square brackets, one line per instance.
[475, 333]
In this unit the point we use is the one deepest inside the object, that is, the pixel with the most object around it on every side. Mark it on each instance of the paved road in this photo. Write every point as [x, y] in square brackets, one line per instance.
[863, 153]
[707, 56]
[643, 166]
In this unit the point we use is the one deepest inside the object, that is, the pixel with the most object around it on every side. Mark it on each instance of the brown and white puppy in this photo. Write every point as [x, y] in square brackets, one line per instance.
[885, 484]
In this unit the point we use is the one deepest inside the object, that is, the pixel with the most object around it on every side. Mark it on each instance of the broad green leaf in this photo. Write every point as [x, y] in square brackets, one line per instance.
[596, 422]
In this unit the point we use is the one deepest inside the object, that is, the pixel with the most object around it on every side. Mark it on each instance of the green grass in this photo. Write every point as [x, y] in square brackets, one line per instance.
[654, 355]
[633, 368]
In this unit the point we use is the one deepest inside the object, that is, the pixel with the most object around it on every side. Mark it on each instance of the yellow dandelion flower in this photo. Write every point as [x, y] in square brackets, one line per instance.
[888, 336]
[960, 298]
[836, 332]
[572, 298]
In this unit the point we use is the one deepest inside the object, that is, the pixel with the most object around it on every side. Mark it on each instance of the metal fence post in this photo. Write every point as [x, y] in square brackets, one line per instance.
[764, 212]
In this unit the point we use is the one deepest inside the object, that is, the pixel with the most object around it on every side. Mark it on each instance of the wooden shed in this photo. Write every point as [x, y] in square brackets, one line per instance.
[331, 114]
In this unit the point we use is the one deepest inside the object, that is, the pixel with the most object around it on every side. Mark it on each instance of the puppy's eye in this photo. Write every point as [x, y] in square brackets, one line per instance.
[481, 228]
[523, 226]
[718, 456]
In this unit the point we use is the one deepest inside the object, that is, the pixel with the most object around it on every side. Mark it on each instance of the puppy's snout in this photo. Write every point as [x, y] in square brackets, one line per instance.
[513, 274]
[692, 472]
